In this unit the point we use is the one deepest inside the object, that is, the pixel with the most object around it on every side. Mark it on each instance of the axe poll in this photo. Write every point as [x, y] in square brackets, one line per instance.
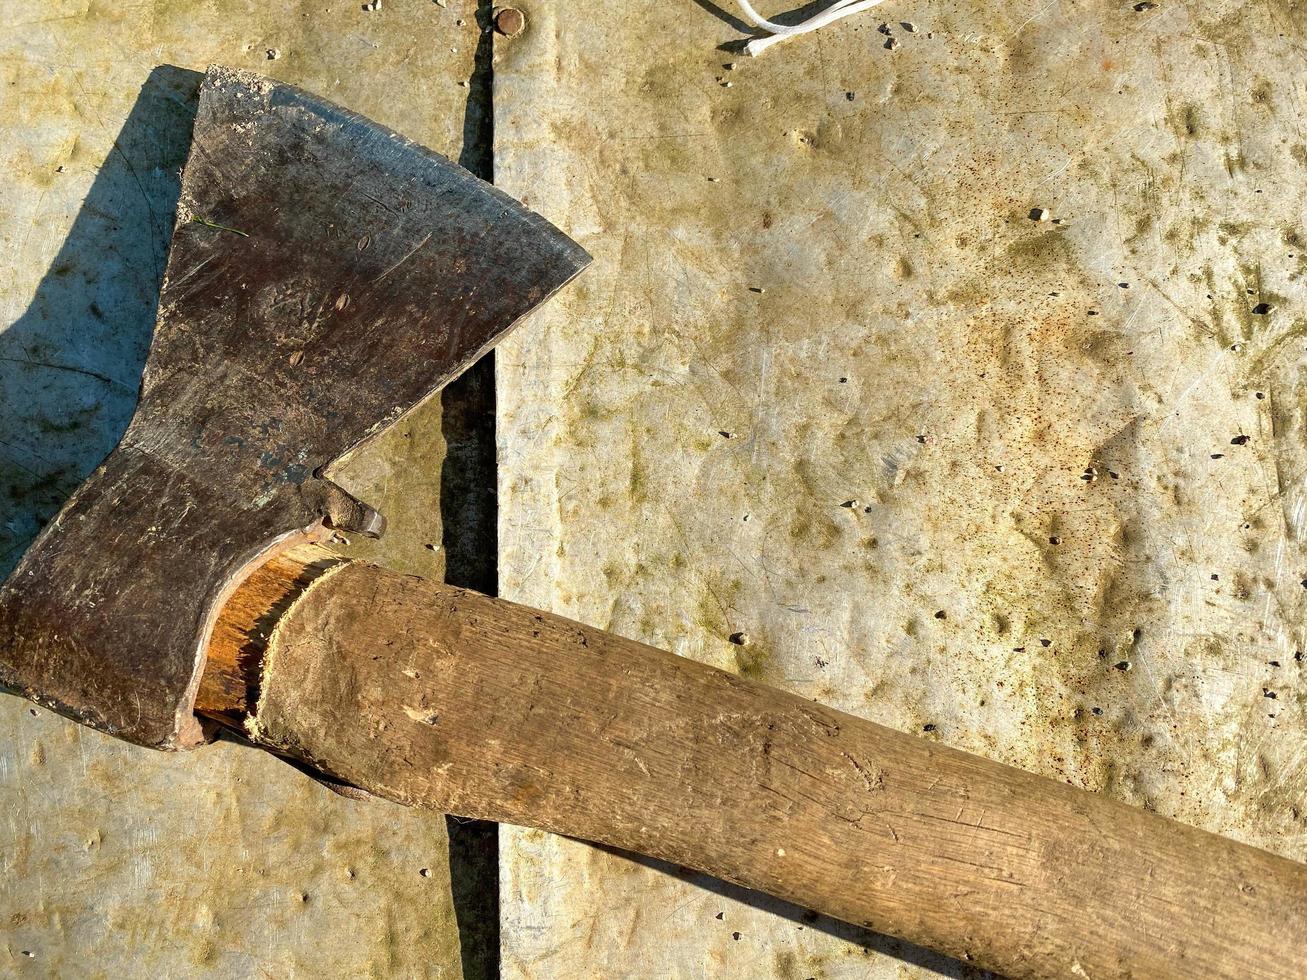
[325, 276]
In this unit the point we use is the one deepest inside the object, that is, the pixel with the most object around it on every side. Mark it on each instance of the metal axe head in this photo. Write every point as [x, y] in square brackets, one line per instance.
[325, 276]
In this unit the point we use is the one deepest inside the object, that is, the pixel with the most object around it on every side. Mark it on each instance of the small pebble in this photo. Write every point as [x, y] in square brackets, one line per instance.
[883, 28]
[908, 26]
[273, 54]
[1146, 5]
[1261, 309]
[740, 639]
[892, 44]
[1040, 214]
[729, 66]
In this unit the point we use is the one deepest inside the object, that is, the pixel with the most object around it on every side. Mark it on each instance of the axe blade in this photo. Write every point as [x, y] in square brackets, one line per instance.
[325, 276]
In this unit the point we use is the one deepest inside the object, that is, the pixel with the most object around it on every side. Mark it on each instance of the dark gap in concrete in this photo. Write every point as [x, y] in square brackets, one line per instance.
[469, 516]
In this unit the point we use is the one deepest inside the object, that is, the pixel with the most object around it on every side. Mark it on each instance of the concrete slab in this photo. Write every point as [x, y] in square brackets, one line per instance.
[961, 376]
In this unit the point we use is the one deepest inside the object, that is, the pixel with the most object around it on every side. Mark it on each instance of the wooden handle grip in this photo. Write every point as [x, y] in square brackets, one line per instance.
[437, 697]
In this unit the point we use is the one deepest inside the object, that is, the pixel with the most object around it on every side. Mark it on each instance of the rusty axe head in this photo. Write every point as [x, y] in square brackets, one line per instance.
[325, 276]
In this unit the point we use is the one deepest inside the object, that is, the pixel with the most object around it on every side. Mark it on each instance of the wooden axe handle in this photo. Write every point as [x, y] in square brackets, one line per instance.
[437, 697]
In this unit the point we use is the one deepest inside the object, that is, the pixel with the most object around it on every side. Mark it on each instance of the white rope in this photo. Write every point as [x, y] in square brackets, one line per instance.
[781, 32]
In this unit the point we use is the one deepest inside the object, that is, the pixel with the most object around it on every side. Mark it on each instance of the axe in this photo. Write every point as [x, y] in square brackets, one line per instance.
[325, 276]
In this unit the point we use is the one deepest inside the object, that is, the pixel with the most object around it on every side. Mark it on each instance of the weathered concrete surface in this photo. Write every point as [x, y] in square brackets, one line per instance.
[1032, 488]
[116, 861]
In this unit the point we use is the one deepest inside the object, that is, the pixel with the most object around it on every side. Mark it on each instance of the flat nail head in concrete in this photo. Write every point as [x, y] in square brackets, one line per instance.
[509, 21]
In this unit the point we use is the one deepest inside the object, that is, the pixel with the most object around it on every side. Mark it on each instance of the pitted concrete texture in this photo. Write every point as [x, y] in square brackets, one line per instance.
[958, 380]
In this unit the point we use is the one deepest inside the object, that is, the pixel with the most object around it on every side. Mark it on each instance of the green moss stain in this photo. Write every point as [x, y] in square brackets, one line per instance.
[1045, 248]
[752, 660]
[1187, 121]
[636, 483]
[1272, 351]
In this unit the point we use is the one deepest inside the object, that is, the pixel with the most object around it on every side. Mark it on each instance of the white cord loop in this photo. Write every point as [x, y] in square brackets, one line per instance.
[780, 32]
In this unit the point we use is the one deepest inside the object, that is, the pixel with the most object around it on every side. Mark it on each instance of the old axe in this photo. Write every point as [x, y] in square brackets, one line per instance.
[325, 276]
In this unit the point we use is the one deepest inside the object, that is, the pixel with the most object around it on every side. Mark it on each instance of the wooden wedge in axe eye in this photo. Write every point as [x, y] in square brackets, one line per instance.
[325, 276]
